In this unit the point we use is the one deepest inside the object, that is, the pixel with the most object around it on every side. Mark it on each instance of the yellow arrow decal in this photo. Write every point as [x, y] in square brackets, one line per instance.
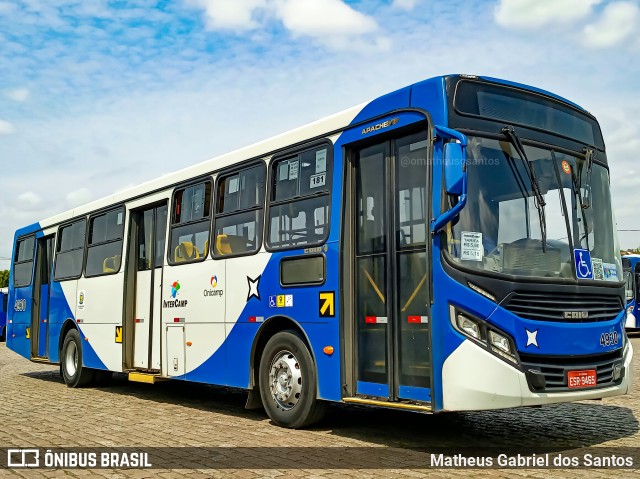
[327, 302]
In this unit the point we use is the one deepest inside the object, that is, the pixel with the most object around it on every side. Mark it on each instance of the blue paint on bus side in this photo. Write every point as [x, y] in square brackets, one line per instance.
[59, 312]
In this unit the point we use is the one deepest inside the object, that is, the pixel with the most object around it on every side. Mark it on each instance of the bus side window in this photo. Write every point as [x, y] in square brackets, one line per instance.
[70, 251]
[23, 262]
[106, 231]
[190, 223]
[299, 199]
[238, 221]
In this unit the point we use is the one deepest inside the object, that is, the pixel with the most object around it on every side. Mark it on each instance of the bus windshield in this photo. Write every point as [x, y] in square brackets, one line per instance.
[500, 230]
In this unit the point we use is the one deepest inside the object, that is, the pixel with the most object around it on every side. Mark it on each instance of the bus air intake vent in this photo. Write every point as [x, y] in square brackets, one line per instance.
[555, 369]
[564, 307]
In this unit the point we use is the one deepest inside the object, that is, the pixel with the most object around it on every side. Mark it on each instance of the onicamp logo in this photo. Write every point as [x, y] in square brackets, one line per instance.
[175, 287]
[213, 292]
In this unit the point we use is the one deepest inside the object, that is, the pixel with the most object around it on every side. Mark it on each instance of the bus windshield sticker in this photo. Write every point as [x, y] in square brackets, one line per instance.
[283, 171]
[321, 161]
[293, 169]
[584, 268]
[610, 272]
[316, 181]
[120, 218]
[598, 270]
[471, 246]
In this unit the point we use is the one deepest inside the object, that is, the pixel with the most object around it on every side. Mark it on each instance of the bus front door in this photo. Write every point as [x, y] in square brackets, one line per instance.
[149, 231]
[41, 294]
[390, 269]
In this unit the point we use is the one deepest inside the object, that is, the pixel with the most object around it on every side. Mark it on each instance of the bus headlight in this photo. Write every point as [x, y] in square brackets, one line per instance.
[499, 342]
[501, 345]
[485, 335]
[469, 327]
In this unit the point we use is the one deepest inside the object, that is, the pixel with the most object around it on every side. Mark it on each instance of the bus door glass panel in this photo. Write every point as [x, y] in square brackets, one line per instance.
[24, 307]
[143, 289]
[412, 301]
[371, 316]
[160, 235]
[40, 319]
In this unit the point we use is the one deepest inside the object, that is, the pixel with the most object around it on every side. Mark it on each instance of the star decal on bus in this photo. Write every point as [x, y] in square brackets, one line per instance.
[253, 288]
[532, 338]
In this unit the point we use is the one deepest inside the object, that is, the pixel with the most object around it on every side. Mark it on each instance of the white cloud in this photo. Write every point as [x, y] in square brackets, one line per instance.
[320, 18]
[28, 200]
[618, 22]
[331, 22]
[534, 14]
[78, 197]
[231, 14]
[19, 94]
[405, 4]
[6, 128]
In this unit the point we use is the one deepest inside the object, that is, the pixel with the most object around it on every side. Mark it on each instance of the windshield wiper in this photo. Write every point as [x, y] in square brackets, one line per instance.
[585, 198]
[539, 202]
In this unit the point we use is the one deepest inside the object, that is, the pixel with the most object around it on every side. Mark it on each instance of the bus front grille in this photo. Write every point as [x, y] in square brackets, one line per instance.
[555, 369]
[563, 307]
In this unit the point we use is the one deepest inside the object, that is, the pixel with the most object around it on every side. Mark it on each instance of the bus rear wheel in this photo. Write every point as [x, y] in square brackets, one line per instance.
[288, 382]
[73, 373]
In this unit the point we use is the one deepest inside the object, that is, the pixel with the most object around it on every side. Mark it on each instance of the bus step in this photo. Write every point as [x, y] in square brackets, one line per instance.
[146, 378]
[40, 360]
[388, 404]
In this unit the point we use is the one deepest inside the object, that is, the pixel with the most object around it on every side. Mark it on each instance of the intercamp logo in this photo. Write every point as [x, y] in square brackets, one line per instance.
[19, 458]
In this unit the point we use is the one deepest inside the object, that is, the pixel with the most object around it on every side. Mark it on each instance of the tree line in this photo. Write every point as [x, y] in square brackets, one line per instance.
[4, 278]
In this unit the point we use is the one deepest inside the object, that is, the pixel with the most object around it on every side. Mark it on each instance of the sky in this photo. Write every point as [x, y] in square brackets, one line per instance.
[97, 96]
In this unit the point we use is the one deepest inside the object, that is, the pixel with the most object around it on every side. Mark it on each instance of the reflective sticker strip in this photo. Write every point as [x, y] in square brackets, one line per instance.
[256, 319]
[178, 320]
[419, 319]
[139, 320]
[375, 319]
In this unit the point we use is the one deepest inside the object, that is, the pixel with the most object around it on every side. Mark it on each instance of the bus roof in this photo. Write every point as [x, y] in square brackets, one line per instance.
[262, 149]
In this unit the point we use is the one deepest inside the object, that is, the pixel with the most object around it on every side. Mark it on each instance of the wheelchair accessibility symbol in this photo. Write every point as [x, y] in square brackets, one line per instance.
[584, 268]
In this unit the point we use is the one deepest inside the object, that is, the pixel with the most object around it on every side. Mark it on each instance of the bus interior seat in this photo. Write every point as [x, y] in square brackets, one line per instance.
[111, 264]
[230, 244]
[185, 251]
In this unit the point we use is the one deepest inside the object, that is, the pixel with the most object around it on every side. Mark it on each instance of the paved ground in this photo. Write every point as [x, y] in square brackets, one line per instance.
[38, 410]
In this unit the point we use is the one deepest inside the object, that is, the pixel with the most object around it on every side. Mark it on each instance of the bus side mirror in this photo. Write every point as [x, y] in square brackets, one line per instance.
[454, 168]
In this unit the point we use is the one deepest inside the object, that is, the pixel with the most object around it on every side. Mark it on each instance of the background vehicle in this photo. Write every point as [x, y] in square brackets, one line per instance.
[448, 246]
[631, 266]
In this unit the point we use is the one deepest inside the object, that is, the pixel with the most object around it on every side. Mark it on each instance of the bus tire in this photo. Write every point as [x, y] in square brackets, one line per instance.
[288, 382]
[73, 373]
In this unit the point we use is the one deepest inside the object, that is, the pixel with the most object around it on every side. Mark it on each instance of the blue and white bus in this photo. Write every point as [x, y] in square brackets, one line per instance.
[631, 268]
[3, 313]
[448, 246]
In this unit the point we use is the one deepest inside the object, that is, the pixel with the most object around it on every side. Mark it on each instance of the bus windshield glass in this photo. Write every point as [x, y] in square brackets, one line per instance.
[500, 230]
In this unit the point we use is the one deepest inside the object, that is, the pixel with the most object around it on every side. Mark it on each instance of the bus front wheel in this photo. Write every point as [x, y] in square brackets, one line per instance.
[288, 382]
[74, 374]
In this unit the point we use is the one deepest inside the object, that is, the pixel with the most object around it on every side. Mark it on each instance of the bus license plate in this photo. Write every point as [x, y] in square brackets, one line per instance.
[582, 379]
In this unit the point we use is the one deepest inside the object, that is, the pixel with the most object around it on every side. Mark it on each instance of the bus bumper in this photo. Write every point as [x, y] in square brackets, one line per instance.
[474, 379]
